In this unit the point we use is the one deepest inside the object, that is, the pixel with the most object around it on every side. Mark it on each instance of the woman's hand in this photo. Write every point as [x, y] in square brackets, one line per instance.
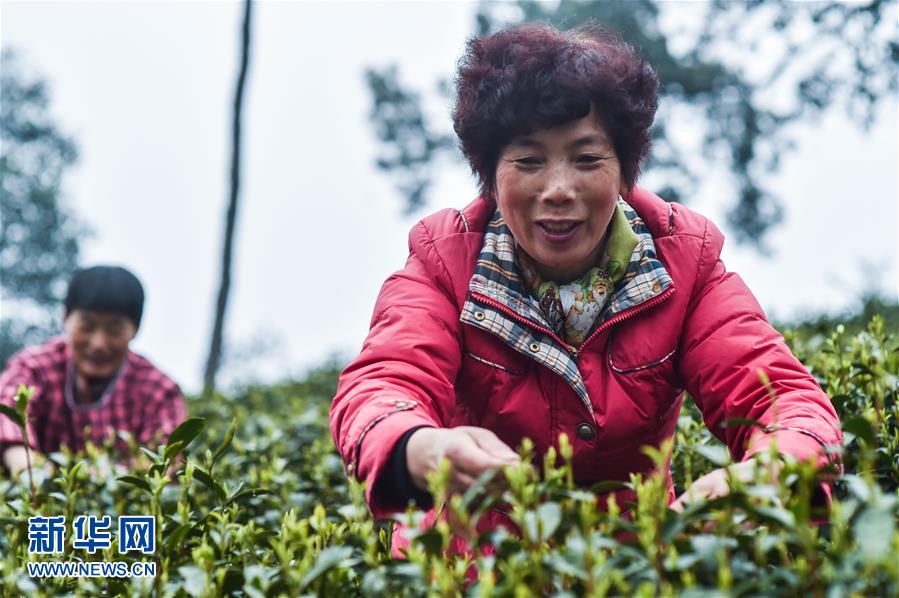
[470, 452]
[715, 484]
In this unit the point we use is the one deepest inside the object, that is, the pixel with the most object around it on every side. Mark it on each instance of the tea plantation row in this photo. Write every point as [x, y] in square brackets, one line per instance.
[263, 508]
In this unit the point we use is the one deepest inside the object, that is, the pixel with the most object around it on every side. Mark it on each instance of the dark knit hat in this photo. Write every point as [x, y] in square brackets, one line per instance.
[106, 288]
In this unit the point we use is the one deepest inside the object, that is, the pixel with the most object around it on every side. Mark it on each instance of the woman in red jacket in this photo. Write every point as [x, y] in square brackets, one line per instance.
[564, 299]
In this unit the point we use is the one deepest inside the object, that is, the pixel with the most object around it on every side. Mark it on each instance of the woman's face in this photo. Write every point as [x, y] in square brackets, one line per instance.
[556, 189]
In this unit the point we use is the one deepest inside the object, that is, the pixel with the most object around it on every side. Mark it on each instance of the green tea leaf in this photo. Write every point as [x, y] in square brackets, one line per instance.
[550, 514]
[206, 480]
[194, 579]
[742, 421]
[430, 541]
[187, 431]
[226, 441]
[530, 529]
[248, 493]
[674, 525]
[718, 455]
[477, 489]
[875, 528]
[557, 562]
[135, 481]
[581, 495]
[860, 427]
[707, 546]
[154, 457]
[775, 515]
[172, 450]
[13, 415]
[174, 538]
[23, 396]
[327, 559]
[607, 486]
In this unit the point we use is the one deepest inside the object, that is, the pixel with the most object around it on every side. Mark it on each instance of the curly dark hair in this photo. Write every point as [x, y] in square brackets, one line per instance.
[534, 76]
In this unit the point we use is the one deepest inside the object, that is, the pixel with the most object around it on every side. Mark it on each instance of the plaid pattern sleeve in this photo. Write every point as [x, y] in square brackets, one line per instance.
[44, 368]
[140, 401]
[16, 373]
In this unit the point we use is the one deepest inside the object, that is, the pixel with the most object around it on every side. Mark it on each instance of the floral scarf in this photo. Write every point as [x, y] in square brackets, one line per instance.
[574, 307]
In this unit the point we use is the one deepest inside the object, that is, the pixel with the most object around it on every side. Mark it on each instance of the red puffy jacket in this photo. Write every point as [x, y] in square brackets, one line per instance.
[443, 351]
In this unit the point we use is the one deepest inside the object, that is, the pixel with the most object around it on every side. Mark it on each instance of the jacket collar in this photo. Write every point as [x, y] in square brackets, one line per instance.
[499, 303]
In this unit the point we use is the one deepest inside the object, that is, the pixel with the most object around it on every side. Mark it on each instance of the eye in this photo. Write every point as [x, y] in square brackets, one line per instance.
[527, 161]
[588, 159]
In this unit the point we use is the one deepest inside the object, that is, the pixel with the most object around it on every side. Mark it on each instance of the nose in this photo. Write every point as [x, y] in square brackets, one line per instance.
[98, 341]
[560, 184]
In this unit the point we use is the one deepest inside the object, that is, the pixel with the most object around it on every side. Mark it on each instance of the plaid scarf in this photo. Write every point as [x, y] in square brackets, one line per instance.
[497, 279]
[573, 309]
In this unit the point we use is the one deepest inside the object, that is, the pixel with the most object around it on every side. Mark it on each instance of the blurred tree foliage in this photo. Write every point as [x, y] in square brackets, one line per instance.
[733, 74]
[38, 235]
[853, 321]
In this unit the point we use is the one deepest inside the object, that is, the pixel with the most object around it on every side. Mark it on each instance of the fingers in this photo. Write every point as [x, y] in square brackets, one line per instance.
[472, 451]
[491, 444]
[467, 455]
[689, 496]
[712, 485]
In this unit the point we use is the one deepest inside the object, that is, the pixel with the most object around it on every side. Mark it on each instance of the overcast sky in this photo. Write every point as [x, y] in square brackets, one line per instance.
[145, 89]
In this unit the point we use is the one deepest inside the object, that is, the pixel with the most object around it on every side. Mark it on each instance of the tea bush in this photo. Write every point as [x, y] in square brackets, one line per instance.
[251, 499]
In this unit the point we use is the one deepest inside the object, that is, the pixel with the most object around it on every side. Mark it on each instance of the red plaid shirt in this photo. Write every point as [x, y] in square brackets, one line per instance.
[140, 400]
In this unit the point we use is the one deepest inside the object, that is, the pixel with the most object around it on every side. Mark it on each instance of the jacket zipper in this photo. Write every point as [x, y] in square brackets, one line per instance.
[523, 320]
[573, 351]
[552, 334]
[623, 316]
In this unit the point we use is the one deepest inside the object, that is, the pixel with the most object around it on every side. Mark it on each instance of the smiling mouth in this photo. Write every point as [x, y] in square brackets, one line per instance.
[558, 227]
[97, 362]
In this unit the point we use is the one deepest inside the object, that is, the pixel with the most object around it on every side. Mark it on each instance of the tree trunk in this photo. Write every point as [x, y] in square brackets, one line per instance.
[215, 346]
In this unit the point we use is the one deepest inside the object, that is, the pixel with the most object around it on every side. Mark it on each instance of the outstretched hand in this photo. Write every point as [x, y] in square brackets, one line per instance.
[470, 451]
[716, 483]
[15, 460]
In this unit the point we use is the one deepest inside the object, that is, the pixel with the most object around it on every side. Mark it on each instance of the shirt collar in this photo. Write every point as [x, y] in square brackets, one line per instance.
[99, 403]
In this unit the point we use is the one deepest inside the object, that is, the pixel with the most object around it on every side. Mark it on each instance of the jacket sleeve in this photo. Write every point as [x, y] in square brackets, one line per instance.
[16, 373]
[727, 343]
[404, 377]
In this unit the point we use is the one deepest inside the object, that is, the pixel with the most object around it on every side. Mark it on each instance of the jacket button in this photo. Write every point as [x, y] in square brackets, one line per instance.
[585, 431]
[479, 316]
[535, 347]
